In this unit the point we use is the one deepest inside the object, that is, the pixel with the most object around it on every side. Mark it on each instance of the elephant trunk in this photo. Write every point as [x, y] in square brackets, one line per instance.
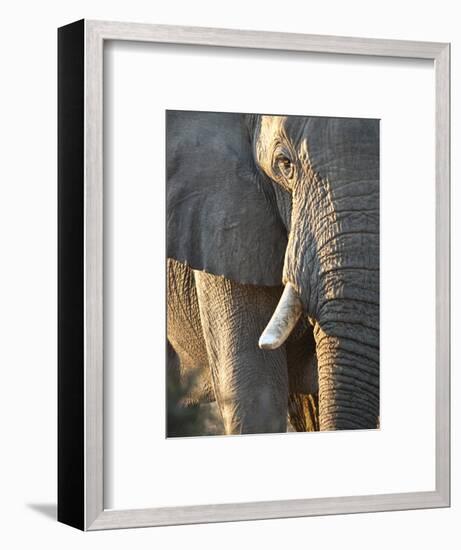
[348, 370]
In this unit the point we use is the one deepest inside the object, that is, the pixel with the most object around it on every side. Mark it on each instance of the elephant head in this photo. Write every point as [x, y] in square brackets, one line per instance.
[330, 166]
[266, 200]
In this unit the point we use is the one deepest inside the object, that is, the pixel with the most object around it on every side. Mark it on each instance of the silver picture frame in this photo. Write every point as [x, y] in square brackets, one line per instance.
[80, 311]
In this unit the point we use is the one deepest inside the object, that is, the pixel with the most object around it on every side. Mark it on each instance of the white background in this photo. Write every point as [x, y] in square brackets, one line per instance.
[143, 464]
[28, 299]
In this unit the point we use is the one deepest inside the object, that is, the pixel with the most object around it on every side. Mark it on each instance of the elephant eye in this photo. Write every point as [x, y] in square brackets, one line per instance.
[285, 166]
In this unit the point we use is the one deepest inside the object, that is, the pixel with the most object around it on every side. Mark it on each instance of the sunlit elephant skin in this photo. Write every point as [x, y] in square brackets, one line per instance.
[270, 200]
[213, 325]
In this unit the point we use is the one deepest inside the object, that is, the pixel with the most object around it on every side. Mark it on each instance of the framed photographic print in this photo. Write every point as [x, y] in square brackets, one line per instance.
[253, 275]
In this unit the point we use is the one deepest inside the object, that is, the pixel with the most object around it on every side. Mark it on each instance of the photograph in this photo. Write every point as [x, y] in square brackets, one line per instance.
[231, 289]
[272, 273]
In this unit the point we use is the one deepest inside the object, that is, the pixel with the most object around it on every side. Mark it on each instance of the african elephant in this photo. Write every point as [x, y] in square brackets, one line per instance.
[255, 202]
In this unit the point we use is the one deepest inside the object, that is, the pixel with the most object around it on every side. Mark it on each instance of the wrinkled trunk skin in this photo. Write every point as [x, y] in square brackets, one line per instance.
[348, 382]
[332, 260]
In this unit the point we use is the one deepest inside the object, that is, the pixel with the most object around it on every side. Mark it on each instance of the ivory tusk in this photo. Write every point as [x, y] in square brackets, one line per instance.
[284, 319]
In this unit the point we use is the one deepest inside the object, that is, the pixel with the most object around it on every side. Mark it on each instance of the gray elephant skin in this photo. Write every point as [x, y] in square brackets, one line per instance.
[273, 268]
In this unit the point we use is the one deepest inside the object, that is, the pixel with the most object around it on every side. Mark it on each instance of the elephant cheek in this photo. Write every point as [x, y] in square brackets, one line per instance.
[301, 265]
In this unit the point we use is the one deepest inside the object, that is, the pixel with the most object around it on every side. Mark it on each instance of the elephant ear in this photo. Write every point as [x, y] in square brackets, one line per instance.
[220, 216]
